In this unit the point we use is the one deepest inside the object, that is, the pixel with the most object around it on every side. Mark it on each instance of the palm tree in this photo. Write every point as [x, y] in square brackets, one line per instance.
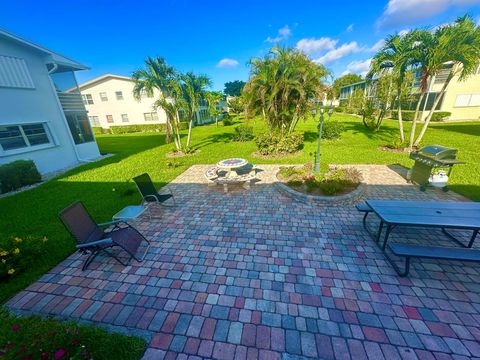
[456, 45]
[281, 87]
[157, 75]
[193, 90]
[213, 98]
[396, 54]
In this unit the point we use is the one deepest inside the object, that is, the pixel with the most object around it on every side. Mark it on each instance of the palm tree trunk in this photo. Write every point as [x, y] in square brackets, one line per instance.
[216, 121]
[167, 131]
[190, 125]
[414, 121]
[432, 110]
[400, 122]
[178, 140]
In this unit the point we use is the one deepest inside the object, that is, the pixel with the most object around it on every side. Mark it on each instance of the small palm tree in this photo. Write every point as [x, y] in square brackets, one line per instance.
[213, 98]
[458, 45]
[157, 75]
[193, 90]
[397, 54]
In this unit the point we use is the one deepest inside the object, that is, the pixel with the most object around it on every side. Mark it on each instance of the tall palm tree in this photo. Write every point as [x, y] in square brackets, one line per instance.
[458, 45]
[396, 54]
[157, 75]
[193, 90]
[213, 98]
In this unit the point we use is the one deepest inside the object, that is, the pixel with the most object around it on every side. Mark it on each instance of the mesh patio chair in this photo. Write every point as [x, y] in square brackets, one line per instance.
[150, 194]
[92, 239]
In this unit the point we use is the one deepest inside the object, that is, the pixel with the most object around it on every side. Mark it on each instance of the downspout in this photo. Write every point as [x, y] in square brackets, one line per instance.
[51, 71]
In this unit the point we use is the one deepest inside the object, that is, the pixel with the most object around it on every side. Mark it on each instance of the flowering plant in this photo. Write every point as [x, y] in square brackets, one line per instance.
[17, 253]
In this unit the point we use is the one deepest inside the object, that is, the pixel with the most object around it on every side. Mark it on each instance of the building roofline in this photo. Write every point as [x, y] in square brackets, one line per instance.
[357, 83]
[57, 58]
[103, 78]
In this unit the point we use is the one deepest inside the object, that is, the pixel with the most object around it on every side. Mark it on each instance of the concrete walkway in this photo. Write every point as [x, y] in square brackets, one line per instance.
[256, 274]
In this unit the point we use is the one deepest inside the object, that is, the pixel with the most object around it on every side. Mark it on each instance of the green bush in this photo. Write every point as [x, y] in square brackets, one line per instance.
[183, 125]
[126, 129]
[35, 338]
[227, 120]
[16, 174]
[17, 255]
[440, 115]
[269, 144]
[407, 115]
[339, 109]
[97, 130]
[332, 130]
[243, 133]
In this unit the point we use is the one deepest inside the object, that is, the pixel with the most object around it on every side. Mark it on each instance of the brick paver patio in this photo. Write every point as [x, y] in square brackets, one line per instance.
[256, 274]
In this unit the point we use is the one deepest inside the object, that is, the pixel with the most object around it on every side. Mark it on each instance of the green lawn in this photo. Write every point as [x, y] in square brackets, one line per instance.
[105, 186]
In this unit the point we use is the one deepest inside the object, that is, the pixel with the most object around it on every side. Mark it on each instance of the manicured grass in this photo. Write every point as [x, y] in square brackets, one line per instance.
[24, 336]
[105, 187]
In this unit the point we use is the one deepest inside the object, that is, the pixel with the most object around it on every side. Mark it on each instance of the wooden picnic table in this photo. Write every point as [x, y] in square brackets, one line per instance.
[433, 214]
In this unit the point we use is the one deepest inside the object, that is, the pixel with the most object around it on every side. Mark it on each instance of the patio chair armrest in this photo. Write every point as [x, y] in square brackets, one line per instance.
[107, 241]
[113, 222]
[150, 197]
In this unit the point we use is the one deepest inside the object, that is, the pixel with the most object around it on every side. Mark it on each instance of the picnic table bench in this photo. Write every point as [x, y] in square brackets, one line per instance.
[214, 177]
[430, 214]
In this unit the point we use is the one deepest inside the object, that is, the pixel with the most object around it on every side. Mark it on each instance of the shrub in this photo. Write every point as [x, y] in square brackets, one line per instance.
[16, 174]
[17, 254]
[243, 133]
[441, 115]
[227, 120]
[126, 129]
[407, 115]
[339, 109]
[35, 338]
[396, 144]
[183, 125]
[269, 144]
[332, 130]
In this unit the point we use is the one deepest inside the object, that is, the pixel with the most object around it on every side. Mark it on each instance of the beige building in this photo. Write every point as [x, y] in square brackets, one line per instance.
[462, 98]
[109, 101]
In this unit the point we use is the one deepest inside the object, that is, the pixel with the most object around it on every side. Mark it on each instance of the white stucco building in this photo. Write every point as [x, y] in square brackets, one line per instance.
[39, 120]
[109, 101]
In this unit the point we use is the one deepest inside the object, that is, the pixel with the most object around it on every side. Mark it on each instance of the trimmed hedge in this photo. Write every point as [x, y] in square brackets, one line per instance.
[243, 133]
[126, 129]
[271, 144]
[407, 115]
[17, 174]
[97, 130]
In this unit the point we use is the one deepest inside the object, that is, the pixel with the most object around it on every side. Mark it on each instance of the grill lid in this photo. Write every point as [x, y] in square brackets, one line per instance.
[438, 152]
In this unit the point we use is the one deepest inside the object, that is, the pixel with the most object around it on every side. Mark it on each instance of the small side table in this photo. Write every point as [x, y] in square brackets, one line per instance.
[129, 213]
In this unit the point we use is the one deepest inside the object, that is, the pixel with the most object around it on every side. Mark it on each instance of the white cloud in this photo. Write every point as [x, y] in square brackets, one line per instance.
[403, 32]
[410, 12]
[377, 46]
[338, 53]
[358, 67]
[313, 46]
[283, 34]
[349, 28]
[227, 63]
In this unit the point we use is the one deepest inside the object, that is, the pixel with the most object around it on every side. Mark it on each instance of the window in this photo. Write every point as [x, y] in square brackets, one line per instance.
[119, 95]
[103, 96]
[21, 136]
[124, 117]
[94, 120]
[109, 118]
[150, 116]
[80, 128]
[87, 99]
[467, 100]
[14, 73]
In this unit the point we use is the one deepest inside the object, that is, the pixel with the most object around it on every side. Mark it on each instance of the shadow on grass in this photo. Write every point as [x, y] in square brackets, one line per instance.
[468, 129]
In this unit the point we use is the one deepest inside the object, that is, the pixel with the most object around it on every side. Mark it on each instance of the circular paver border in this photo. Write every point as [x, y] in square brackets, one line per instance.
[351, 198]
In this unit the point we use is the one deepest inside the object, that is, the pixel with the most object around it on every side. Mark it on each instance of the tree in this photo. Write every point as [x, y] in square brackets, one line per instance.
[342, 81]
[456, 45]
[158, 75]
[193, 90]
[236, 105]
[213, 99]
[396, 54]
[281, 87]
[234, 88]
[374, 109]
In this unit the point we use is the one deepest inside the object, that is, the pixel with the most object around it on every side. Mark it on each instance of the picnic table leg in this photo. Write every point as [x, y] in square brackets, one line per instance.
[365, 219]
[472, 239]
[380, 228]
[387, 234]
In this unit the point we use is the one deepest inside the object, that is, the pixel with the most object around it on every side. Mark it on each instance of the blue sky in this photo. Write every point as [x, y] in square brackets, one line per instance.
[219, 37]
